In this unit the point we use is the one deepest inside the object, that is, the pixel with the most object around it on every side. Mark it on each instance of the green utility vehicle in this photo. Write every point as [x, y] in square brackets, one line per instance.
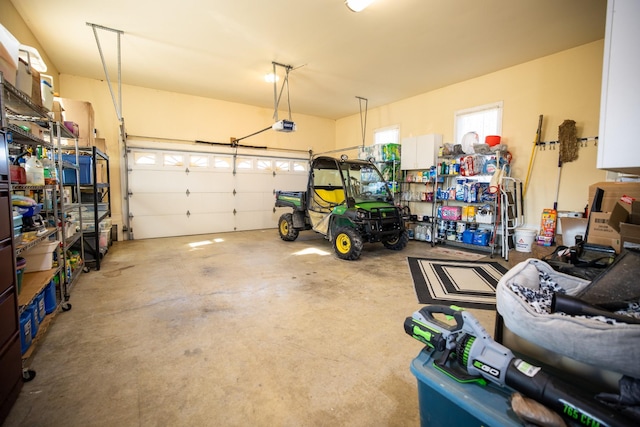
[347, 201]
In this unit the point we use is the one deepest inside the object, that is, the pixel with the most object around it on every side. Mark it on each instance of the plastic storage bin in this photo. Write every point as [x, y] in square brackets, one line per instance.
[445, 402]
[40, 308]
[481, 237]
[25, 330]
[40, 258]
[69, 175]
[50, 301]
[35, 321]
[20, 266]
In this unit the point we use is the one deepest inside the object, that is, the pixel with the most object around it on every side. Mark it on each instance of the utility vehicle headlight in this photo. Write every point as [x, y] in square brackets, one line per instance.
[362, 214]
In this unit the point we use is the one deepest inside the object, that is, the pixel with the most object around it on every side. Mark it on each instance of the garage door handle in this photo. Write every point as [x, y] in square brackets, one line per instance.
[188, 214]
[188, 192]
[187, 171]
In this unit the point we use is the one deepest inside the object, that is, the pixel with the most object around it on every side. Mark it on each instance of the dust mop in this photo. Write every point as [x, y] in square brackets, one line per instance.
[568, 141]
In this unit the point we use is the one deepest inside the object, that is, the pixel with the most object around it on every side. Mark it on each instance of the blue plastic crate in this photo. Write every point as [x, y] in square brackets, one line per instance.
[40, 307]
[25, 330]
[445, 402]
[50, 302]
[69, 175]
[35, 320]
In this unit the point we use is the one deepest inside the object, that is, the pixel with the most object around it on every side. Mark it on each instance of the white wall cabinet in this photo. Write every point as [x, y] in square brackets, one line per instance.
[420, 152]
[620, 102]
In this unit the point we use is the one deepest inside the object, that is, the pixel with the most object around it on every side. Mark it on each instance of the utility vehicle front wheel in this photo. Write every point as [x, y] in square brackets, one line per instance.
[285, 228]
[347, 244]
[397, 243]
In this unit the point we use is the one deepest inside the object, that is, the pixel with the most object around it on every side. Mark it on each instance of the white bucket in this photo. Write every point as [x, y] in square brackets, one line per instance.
[524, 238]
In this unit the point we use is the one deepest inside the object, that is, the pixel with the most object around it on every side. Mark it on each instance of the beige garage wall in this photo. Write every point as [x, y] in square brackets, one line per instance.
[173, 117]
[561, 86]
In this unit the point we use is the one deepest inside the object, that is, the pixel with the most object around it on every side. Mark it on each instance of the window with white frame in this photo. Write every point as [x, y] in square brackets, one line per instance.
[282, 165]
[198, 161]
[264, 165]
[244, 163]
[222, 162]
[388, 135]
[144, 158]
[173, 160]
[300, 166]
[483, 120]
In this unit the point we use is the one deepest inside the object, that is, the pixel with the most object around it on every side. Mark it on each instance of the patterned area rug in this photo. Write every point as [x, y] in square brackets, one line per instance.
[470, 284]
[455, 253]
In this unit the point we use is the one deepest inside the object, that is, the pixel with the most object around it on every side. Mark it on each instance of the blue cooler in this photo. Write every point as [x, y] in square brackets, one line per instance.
[445, 402]
[25, 330]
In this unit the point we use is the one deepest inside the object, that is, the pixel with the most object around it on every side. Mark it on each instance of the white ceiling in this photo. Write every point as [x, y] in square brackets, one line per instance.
[222, 49]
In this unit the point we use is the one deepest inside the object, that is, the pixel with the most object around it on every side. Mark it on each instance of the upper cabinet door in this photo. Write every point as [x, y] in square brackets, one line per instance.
[620, 102]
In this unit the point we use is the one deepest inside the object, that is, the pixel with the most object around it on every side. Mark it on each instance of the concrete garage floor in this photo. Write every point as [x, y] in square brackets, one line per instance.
[232, 329]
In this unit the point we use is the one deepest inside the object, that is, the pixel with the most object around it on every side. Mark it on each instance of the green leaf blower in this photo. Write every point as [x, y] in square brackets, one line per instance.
[469, 354]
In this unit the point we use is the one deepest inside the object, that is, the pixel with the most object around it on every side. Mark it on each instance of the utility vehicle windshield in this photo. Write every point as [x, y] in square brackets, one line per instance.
[364, 183]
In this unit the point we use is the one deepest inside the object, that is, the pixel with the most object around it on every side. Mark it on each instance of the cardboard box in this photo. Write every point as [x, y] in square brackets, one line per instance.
[36, 91]
[101, 144]
[626, 224]
[28, 81]
[601, 233]
[8, 70]
[58, 112]
[80, 112]
[23, 77]
[613, 191]
[9, 53]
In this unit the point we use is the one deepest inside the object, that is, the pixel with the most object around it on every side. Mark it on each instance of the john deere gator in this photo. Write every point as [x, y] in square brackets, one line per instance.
[348, 202]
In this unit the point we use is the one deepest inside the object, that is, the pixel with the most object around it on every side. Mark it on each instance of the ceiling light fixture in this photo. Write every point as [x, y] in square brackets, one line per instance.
[271, 78]
[358, 5]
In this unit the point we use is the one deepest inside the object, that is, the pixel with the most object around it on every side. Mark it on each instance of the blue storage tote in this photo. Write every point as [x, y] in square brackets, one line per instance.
[481, 237]
[35, 320]
[86, 165]
[445, 402]
[25, 330]
[50, 302]
[40, 310]
[467, 236]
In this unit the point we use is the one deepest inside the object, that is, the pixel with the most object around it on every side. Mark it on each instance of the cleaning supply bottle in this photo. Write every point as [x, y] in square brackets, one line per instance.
[35, 171]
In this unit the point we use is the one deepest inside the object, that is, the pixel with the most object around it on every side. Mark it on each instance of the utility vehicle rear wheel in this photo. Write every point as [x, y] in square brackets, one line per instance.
[285, 228]
[397, 243]
[347, 244]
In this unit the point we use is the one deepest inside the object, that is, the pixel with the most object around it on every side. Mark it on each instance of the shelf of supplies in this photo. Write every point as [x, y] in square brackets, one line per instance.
[469, 246]
[42, 331]
[69, 241]
[22, 187]
[23, 137]
[25, 246]
[33, 283]
[18, 103]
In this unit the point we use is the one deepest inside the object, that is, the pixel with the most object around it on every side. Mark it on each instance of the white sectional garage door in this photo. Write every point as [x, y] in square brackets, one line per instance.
[179, 193]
